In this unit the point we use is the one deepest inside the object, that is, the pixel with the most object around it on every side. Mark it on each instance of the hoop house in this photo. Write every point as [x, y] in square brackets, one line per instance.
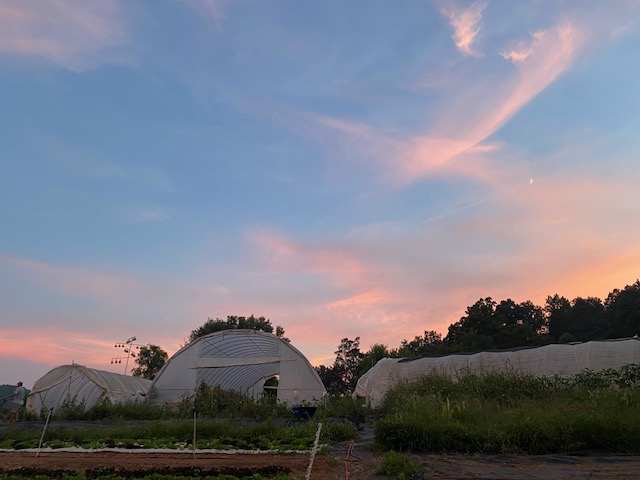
[82, 385]
[241, 361]
[549, 360]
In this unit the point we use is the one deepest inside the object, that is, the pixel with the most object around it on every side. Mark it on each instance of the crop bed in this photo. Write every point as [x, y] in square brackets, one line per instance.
[56, 464]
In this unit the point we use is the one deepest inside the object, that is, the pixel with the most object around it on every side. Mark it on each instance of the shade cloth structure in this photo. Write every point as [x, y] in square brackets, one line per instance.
[82, 385]
[549, 360]
[242, 361]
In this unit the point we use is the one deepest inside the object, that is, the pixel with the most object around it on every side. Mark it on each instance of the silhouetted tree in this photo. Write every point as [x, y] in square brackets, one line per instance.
[429, 343]
[559, 315]
[341, 377]
[588, 320]
[476, 329]
[623, 311]
[235, 322]
[371, 357]
[149, 361]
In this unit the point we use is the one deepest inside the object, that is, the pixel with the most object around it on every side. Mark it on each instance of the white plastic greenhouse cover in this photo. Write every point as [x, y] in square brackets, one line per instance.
[549, 360]
[79, 384]
[239, 360]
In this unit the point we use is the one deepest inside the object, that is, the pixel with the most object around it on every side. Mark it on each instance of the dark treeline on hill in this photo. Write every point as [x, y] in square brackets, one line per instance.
[488, 325]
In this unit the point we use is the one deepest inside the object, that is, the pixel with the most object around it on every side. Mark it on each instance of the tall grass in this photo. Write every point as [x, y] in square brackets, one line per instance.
[506, 412]
[211, 402]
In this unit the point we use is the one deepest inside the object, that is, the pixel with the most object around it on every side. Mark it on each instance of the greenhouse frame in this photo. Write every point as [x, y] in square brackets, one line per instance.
[80, 385]
[242, 361]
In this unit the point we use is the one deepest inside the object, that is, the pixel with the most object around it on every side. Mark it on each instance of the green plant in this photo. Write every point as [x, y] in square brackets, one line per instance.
[399, 466]
[500, 413]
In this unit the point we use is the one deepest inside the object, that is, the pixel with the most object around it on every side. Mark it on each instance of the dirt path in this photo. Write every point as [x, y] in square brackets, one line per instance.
[530, 467]
[516, 467]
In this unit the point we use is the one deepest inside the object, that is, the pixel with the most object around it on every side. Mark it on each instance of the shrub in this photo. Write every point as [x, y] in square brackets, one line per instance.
[399, 466]
[343, 407]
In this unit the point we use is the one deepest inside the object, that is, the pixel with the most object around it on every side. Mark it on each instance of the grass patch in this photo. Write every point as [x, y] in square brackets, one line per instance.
[399, 466]
[510, 413]
[346, 408]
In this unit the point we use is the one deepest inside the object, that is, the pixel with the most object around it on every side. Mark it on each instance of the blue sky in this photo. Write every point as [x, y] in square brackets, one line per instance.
[360, 168]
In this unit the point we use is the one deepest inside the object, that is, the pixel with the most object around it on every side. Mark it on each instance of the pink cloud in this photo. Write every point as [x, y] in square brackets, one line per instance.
[53, 346]
[466, 25]
[74, 281]
[339, 265]
[369, 297]
[76, 35]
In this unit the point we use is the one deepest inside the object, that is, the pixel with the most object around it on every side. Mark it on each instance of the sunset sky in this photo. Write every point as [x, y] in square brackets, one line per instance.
[343, 168]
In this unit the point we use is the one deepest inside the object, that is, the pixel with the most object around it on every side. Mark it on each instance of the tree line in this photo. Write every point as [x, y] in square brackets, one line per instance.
[489, 325]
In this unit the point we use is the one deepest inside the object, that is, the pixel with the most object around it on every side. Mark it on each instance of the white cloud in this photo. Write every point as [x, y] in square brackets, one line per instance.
[466, 25]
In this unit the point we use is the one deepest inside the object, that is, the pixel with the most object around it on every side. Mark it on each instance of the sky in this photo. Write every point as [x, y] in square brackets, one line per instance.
[342, 168]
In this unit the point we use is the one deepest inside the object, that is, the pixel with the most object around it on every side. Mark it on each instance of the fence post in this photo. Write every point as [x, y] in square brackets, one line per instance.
[44, 430]
[194, 431]
[314, 450]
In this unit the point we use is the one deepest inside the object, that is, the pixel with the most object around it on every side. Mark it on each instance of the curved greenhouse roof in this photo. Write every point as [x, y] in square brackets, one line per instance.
[548, 360]
[83, 385]
[242, 361]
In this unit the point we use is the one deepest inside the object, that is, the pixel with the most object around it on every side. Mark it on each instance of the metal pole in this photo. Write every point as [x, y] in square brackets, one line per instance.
[46, 424]
[314, 450]
[126, 363]
[194, 431]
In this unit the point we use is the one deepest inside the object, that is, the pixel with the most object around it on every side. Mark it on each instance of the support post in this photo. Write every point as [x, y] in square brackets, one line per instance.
[44, 430]
[194, 431]
[314, 450]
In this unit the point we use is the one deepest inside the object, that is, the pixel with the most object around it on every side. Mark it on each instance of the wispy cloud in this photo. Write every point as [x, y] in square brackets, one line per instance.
[76, 35]
[466, 25]
[466, 126]
[457, 142]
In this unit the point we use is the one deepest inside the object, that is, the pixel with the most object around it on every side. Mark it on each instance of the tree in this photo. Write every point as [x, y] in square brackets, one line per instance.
[150, 359]
[559, 315]
[429, 343]
[588, 320]
[518, 324]
[581, 320]
[235, 322]
[476, 329]
[370, 358]
[622, 309]
[342, 376]
[348, 358]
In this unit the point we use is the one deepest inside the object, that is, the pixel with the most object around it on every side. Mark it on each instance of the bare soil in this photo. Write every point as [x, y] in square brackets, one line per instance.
[135, 463]
[331, 466]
